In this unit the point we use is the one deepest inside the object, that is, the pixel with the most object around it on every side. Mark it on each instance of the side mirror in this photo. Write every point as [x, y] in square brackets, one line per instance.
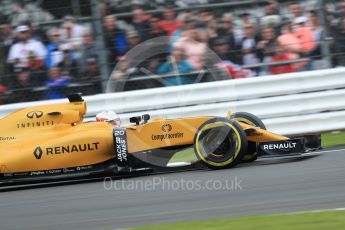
[135, 120]
[145, 118]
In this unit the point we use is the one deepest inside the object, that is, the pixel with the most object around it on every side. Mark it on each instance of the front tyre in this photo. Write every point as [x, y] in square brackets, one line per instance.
[220, 143]
[249, 119]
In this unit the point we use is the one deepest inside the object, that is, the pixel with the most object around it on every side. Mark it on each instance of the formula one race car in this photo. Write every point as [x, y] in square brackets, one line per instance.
[53, 140]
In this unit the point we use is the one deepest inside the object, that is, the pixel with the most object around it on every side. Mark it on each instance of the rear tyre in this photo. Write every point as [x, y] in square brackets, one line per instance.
[220, 143]
[253, 120]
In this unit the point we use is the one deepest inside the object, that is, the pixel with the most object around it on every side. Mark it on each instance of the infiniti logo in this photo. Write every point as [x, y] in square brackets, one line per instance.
[34, 114]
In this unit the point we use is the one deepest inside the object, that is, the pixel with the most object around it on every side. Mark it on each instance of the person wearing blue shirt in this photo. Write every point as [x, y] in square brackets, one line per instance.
[55, 84]
[176, 64]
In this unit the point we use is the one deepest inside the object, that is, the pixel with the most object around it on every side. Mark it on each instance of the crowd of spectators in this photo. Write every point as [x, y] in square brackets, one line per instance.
[241, 41]
[47, 60]
[58, 56]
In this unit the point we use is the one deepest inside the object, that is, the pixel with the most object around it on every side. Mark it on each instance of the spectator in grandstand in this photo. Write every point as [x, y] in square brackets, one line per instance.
[187, 22]
[21, 85]
[193, 46]
[121, 71]
[7, 39]
[272, 17]
[212, 29]
[91, 70]
[227, 30]
[115, 39]
[305, 37]
[91, 75]
[280, 56]
[233, 34]
[203, 18]
[169, 24]
[176, 65]
[317, 29]
[37, 33]
[248, 45]
[221, 47]
[72, 32]
[22, 78]
[338, 32]
[140, 22]
[289, 45]
[155, 28]
[56, 83]
[266, 47]
[246, 18]
[287, 48]
[68, 66]
[54, 54]
[133, 39]
[26, 51]
[3, 90]
[319, 35]
[87, 50]
[296, 10]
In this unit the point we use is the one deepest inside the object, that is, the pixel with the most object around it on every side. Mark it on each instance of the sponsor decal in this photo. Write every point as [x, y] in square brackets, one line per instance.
[121, 148]
[71, 170]
[51, 151]
[82, 168]
[20, 174]
[166, 128]
[161, 137]
[34, 114]
[287, 145]
[37, 173]
[38, 153]
[7, 138]
[281, 147]
[35, 124]
[49, 172]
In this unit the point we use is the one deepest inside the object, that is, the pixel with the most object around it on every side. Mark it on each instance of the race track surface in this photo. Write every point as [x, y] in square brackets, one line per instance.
[267, 186]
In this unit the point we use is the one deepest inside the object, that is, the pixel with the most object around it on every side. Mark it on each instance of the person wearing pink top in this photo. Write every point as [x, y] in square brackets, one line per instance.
[304, 35]
[290, 44]
[195, 49]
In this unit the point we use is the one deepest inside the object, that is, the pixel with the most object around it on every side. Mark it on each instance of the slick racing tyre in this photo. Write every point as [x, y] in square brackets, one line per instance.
[220, 143]
[253, 120]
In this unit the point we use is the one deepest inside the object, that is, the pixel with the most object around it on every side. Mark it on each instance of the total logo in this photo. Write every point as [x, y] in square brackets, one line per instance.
[166, 128]
[51, 151]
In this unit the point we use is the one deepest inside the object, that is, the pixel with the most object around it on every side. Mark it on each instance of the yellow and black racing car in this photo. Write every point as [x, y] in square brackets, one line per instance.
[53, 140]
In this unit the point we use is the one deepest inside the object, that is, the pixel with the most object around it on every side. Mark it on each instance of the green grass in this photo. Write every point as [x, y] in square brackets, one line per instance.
[331, 139]
[186, 155]
[313, 220]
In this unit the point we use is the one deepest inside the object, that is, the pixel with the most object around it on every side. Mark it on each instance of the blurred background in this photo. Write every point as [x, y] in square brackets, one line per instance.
[52, 48]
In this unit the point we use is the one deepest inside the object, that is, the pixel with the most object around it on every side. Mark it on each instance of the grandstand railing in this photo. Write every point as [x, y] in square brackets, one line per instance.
[296, 103]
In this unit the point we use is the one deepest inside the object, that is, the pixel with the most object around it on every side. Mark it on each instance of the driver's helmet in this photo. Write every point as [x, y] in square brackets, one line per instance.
[110, 117]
